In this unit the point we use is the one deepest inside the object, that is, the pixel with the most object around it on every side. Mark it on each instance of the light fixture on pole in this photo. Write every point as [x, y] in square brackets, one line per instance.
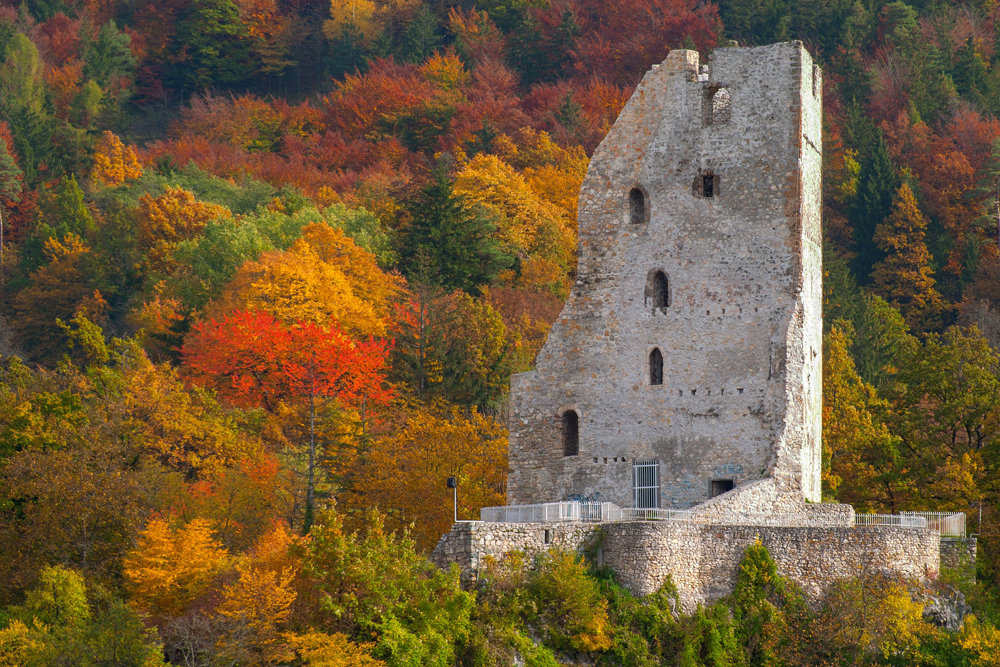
[453, 484]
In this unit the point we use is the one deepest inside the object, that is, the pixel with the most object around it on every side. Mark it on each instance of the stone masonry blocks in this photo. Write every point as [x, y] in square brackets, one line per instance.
[741, 336]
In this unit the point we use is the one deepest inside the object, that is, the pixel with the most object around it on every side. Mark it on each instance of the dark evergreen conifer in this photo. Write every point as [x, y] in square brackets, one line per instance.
[422, 36]
[877, 185]
[448, 243]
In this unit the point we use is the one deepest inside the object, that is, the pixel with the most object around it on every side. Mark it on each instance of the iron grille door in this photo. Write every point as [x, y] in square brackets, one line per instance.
[646, 484]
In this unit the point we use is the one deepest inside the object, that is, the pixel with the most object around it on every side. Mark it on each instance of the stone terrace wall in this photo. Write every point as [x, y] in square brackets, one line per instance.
[469, 542]
[702, 560]
[958, 552]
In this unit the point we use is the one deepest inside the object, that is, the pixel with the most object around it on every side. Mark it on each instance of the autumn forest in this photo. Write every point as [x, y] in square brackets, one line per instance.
[267, 266]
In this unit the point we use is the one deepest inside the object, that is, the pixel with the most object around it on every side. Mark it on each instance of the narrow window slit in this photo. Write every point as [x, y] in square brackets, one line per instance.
[571, 433]
[656, 367]
[637, 206]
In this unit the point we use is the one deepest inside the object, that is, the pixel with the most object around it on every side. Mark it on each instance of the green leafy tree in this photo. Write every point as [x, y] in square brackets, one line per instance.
[59, 599]
[21, 75]
[766, 608]
[374, 585]
[946, 410]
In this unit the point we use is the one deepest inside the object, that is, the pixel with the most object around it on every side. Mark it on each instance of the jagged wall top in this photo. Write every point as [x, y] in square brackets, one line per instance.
[740, 337]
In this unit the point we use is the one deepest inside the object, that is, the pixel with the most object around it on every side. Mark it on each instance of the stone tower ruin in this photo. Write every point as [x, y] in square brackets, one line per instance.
[687, 361]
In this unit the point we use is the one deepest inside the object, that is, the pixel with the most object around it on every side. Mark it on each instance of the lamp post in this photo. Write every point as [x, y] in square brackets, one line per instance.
[453, 484]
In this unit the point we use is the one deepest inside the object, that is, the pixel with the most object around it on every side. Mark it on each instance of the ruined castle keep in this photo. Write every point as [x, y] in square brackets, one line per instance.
[683, 379]
[692, 339]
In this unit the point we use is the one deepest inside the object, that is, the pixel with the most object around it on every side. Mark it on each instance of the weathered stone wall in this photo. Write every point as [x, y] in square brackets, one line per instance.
[703, 560]
[763, 503]
[957, 552]
[741, 336]
[469, 542]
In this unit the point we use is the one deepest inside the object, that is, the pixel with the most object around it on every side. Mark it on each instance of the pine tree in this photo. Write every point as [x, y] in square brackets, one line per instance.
[10, 175]
[904, 278]
[448, 243]
[877, 182]
[989, 190]
[109, 56]
[421, 37]
[526, 52]
[212, 45]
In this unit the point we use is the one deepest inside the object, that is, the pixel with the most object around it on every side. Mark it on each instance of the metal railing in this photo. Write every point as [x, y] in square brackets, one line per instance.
[541, 513]
[653, 514]
[899, 520]
[592, 512]
[949, 524]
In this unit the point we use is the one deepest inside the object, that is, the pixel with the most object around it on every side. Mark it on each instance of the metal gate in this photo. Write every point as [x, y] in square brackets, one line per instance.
[646, 484]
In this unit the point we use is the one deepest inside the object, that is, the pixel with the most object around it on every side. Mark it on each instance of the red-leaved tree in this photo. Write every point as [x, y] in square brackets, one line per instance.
[253, 359]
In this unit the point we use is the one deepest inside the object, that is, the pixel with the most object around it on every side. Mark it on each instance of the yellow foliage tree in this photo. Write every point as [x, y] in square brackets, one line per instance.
[554, 173]
[367, 17]
[982, 641]
[184, 430]
[405, 471]
[323, 275]
[904, 277]
[172, 217]
[445, 70]
[345, 14]
[258, 602]
[860, 453]
[316, 649]
[18, 643]
[529, 226]
[872, 617]
[114, 163]
[170, 568]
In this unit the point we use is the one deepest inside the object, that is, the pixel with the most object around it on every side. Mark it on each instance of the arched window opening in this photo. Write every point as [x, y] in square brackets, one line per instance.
[637, 206]
[571, 433]
[661, 290]
[656, 367]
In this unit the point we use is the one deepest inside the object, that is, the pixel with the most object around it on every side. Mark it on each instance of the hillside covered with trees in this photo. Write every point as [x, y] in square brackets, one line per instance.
[268, 265]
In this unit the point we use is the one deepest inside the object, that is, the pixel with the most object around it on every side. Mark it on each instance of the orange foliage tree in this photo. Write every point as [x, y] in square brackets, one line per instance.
[324, 276]
[253, 358]
[170, 568]
[405, 470]
[114, 162]
[904, 278]
[166, 220]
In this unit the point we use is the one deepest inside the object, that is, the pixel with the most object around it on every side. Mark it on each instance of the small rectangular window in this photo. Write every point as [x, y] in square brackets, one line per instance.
[708, 185]
[548, 537]
[720, 486]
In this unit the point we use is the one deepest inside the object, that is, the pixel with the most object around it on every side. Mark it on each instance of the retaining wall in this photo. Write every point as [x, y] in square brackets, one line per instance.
[703, 560]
